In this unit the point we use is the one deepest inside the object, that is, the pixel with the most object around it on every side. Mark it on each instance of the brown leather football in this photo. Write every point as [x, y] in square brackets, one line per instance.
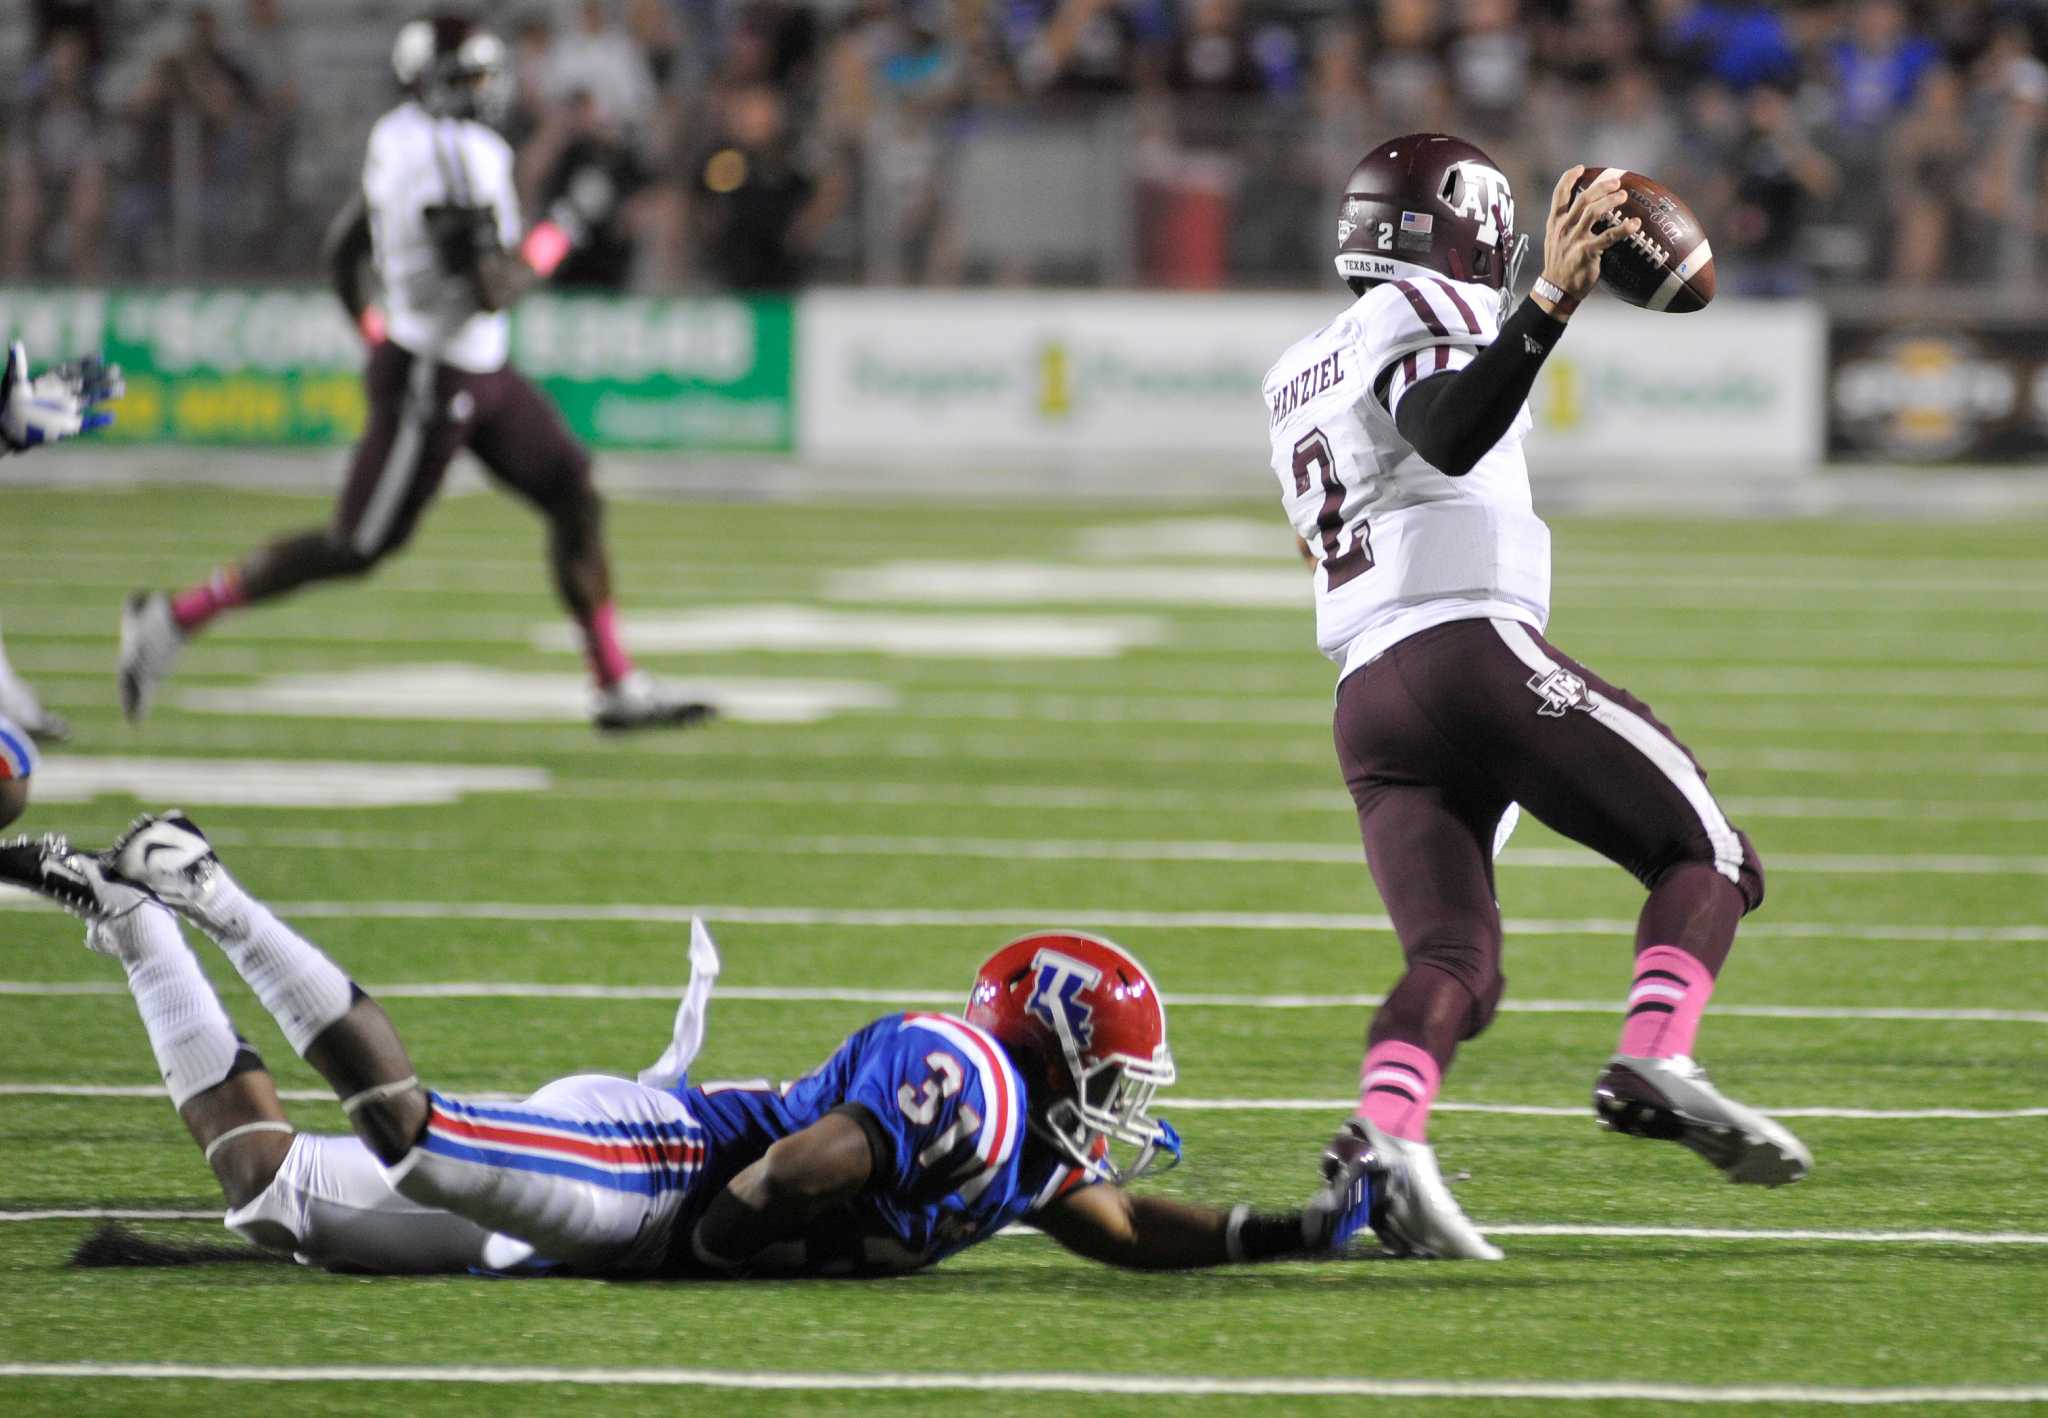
[1667, 264]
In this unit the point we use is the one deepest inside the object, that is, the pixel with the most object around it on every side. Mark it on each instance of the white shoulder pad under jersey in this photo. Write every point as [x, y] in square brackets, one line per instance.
[1400, 546]
[417, 161]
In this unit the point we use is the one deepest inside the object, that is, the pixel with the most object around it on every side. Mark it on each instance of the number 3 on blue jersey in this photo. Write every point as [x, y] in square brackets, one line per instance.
[922, 1105]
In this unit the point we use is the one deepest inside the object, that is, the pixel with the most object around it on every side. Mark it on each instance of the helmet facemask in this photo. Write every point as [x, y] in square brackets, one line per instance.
[1109, 1106]
[474, 83]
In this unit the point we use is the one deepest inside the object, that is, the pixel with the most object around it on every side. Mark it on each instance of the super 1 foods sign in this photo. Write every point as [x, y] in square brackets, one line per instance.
[245, 366]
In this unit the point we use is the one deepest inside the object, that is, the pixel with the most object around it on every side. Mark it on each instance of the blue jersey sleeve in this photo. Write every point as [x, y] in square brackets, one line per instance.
[949, 1104]
[17, 751]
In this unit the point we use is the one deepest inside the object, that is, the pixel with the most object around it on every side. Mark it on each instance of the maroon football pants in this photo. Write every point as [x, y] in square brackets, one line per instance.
[421, 414]
[1442, 732]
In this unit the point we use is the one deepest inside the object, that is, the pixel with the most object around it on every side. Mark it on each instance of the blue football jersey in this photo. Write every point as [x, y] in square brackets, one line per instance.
[947, 1109]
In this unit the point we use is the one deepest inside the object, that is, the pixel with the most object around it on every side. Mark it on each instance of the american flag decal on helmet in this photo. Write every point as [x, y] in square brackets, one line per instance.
[1421, 223]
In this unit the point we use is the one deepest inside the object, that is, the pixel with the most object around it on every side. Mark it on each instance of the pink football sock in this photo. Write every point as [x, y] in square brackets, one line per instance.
[192, 607]
[1665, 1002]
[1396, 1087]
[609, 661]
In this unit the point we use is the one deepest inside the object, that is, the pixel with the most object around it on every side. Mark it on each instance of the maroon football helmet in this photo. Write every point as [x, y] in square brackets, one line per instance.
[1428, 204]
[454, 67]
[1084, 1024]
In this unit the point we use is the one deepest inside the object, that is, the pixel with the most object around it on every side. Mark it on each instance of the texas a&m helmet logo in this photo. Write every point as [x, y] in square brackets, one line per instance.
[1480, 192]
[1055, 996]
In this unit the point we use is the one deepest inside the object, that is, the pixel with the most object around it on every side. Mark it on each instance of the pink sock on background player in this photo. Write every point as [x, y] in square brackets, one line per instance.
[1396, 1087]
[608, 658]
[192, 607]
[1665, 1002]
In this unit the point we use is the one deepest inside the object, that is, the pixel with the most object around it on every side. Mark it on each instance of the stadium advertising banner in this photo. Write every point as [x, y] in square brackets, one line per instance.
[1935, 393]
[280, 366]
[1094, 376]
[1738, 382]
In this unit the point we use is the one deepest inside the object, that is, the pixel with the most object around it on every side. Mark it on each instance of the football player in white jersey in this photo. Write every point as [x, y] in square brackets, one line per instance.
[439, 218]
[1397, 435]
[61, 402]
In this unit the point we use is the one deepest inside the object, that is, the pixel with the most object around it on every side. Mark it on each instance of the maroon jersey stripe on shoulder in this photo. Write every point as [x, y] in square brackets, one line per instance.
[1422, 308]
[1471, 322]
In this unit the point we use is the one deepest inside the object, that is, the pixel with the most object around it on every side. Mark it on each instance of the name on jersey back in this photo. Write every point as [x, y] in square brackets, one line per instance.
[1319, 378]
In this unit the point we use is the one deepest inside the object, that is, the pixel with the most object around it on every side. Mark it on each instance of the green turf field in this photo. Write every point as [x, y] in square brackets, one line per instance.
[910, 784]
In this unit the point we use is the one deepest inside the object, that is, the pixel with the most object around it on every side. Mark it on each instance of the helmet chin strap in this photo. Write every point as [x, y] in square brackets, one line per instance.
[1507, 287]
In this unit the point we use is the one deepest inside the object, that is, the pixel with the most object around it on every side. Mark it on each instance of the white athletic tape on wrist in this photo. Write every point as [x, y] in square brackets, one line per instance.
[378, 1094]
[1233, 1232]
[267, 1125]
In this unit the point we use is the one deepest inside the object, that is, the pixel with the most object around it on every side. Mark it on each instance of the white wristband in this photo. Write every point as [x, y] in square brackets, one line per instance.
[1233, 1232]
[1555, 294]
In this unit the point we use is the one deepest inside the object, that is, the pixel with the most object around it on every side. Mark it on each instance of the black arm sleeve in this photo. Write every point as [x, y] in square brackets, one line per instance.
[346, 247]
[1453, 419]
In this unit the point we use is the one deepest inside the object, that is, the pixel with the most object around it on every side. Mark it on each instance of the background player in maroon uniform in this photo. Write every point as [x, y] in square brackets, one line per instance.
[438, 217]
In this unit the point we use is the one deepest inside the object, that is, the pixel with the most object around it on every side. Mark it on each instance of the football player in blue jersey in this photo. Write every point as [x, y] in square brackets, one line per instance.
[922, 1134]
[61, 402]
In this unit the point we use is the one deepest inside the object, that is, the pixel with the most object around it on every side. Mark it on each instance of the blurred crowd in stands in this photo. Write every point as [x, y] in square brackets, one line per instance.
[763, 144]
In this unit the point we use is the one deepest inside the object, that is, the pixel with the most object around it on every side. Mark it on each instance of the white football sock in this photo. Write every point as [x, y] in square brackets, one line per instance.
[293, 978]
[194, 1041]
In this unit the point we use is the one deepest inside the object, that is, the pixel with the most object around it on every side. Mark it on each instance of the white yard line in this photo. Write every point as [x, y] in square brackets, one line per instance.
[1344, 853]
[1338, 1106]
[886, 918]
[1085, 1385]
[106, 1213]
[1101, 849]
[1717, 1233]
[825, 994]
[1084, 916]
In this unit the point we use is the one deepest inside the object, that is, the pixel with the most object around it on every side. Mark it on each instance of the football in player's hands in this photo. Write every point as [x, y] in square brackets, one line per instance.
[1667, 263]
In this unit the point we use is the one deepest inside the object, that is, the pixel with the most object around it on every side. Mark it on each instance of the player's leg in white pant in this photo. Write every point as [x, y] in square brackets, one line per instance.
[591, 1171]
[330, 1205]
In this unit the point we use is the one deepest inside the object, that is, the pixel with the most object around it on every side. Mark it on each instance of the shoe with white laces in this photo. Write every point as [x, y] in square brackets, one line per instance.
[77, 881]
[1671, 1100]
[166, 854]
[639, 701]
[150, 642]
[1418, 1216]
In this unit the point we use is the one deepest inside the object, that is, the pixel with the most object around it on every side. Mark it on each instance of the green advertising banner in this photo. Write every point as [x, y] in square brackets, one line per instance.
[281, 366]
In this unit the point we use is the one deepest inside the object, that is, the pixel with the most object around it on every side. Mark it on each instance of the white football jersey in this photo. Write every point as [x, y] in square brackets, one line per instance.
[417, 161]
[1400, 546]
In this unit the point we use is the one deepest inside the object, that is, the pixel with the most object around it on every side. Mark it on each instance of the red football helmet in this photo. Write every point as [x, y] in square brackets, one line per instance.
[1084, 1024]
[1428, 204]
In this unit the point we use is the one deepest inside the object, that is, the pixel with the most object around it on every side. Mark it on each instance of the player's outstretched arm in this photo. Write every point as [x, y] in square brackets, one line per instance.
[1454, 419]
[1142, 1232]
[795, 1181]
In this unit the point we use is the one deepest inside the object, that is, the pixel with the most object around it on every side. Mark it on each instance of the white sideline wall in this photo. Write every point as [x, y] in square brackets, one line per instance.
[936, 376]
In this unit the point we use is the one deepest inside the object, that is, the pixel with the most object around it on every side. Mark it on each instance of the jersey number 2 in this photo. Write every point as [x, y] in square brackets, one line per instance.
[1315, 463]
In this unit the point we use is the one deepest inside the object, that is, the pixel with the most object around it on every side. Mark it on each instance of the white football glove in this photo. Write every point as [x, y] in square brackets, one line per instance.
[61, 402]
